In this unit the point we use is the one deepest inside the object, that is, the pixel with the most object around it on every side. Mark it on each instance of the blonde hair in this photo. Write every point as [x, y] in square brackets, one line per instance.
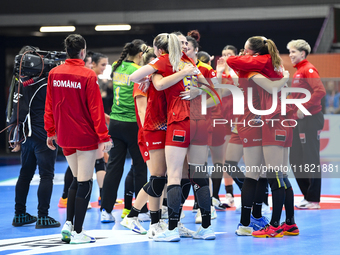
[170, 44]
[148, 53]
[300, 45]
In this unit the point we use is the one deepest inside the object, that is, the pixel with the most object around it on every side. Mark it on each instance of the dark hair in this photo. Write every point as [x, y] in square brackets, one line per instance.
[97, 56]
[231, 47]
[203, 56]
[195, 34]
[130, 49]
[178, 33]
[194, 37]
[74, 43]
[263, 46]
[89, 54]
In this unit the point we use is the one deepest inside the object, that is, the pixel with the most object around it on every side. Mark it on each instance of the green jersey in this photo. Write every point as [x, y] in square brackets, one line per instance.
[123, 107]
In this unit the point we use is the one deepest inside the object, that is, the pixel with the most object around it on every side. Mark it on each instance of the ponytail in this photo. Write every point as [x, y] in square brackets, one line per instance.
[274, 53]
[130, 49]
[175, 52]
[170, 44]
[262, 46]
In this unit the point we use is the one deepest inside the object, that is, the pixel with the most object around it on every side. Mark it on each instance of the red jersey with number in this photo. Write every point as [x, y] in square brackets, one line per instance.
[307, 77]
[208, 72]
[238, 65]
[137, 92]
[177, 109]
[263, 65]
[156, 110]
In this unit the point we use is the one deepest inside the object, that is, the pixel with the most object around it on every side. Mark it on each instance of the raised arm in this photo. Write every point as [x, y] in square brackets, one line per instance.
[140, 74]
[162, 83]
[268, 84]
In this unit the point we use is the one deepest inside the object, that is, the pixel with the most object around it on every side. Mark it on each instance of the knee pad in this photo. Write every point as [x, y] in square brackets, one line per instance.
[286, 182]
[146, 187]
[84, 189]
[217, 172]
[155, 186]
[198, 177]
[74, 184]
[198, 172]
[185, 184]
[100, 165]
[204, 199]
[275, 179]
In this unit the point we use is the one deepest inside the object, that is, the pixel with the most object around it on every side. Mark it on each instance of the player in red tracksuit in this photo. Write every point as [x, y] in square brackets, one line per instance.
[262, 56]
[180, 131]
[305, 151]
[74, 117]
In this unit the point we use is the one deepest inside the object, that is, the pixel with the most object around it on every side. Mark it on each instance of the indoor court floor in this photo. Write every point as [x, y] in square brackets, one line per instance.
[317, 235]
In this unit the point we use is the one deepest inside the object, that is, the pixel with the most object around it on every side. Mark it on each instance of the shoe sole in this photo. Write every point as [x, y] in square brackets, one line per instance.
[268, 236]
[82, 242]
[23, 223]
[207, 237]
[243, 234]
[47, 226]
[286, 233]
[66, 236]
[107, 221]
[173, 239]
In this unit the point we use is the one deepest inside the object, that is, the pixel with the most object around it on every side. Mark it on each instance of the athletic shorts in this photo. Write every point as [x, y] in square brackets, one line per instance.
[250, 136]
[70, 151]
[217, 135]
[178, 134]
[155, 140]
[199, 132]
[142, 146]
[274, 133]
[235, 138]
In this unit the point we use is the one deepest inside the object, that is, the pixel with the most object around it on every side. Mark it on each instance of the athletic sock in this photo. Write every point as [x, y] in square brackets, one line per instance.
[261, 188]
[247, 198]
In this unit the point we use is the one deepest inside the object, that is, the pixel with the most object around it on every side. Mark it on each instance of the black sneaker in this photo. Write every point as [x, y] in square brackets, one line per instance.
[23, 219]
[47, 222]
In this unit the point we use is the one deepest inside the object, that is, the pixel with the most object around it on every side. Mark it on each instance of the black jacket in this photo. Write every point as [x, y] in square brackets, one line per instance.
[31, 110]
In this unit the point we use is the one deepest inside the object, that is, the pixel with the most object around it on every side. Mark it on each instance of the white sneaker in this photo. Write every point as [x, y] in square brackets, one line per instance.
[182, 215]
[265, 209]
[168, 236]
[155, 229]
[230, 199]
[164, 212]
[133, 224]
[183, 231]
[67, 231]
[163, 224]
[213, 213]
[144, 216]
[81, 238]
[238, 209]
[89, 206]
[217, 204]
[204, 233]
[244, 230]
[106, 217]
[302, 203]
[309, 205]
[198, 217]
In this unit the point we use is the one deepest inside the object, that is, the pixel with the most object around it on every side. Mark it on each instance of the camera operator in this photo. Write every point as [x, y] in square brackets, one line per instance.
[27, 133]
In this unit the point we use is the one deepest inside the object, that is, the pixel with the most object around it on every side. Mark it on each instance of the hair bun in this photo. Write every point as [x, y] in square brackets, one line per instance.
[194, 34]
